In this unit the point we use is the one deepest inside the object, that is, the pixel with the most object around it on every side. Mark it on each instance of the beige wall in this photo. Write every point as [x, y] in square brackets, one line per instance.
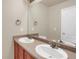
[55, 18]
[12, 10]
[39, 13]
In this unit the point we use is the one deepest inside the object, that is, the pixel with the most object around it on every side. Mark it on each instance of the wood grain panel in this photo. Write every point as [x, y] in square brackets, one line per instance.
[16, 49]
[27, 55]
[20, 52]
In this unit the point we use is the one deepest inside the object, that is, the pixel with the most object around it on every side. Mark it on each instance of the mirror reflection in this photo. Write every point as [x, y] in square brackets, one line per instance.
[53, 19]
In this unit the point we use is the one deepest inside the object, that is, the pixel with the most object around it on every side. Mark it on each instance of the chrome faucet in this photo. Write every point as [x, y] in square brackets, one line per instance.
[54, 44]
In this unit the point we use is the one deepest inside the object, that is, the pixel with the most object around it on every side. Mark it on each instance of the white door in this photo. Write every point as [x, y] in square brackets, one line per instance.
[68, 24]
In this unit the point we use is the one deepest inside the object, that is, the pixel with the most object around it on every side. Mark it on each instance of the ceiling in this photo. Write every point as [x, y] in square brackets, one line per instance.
[52, 2]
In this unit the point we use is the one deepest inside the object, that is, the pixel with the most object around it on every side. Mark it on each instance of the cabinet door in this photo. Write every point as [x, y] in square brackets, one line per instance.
[20, 52]
[16, 50]
[68, 24]
[27, 55]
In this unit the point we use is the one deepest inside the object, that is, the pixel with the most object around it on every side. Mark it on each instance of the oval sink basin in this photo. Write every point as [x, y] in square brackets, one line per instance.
[26, 40]
[47, 52]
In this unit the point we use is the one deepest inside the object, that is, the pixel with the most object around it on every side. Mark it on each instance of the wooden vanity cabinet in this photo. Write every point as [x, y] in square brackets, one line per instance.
[20, 53]
[28, 56]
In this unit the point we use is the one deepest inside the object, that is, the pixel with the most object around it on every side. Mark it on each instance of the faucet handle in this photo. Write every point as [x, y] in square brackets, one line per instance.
[60, 41]
[52, 44]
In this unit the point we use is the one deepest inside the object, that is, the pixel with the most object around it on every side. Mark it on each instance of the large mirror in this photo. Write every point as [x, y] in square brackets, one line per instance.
[46, 18]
